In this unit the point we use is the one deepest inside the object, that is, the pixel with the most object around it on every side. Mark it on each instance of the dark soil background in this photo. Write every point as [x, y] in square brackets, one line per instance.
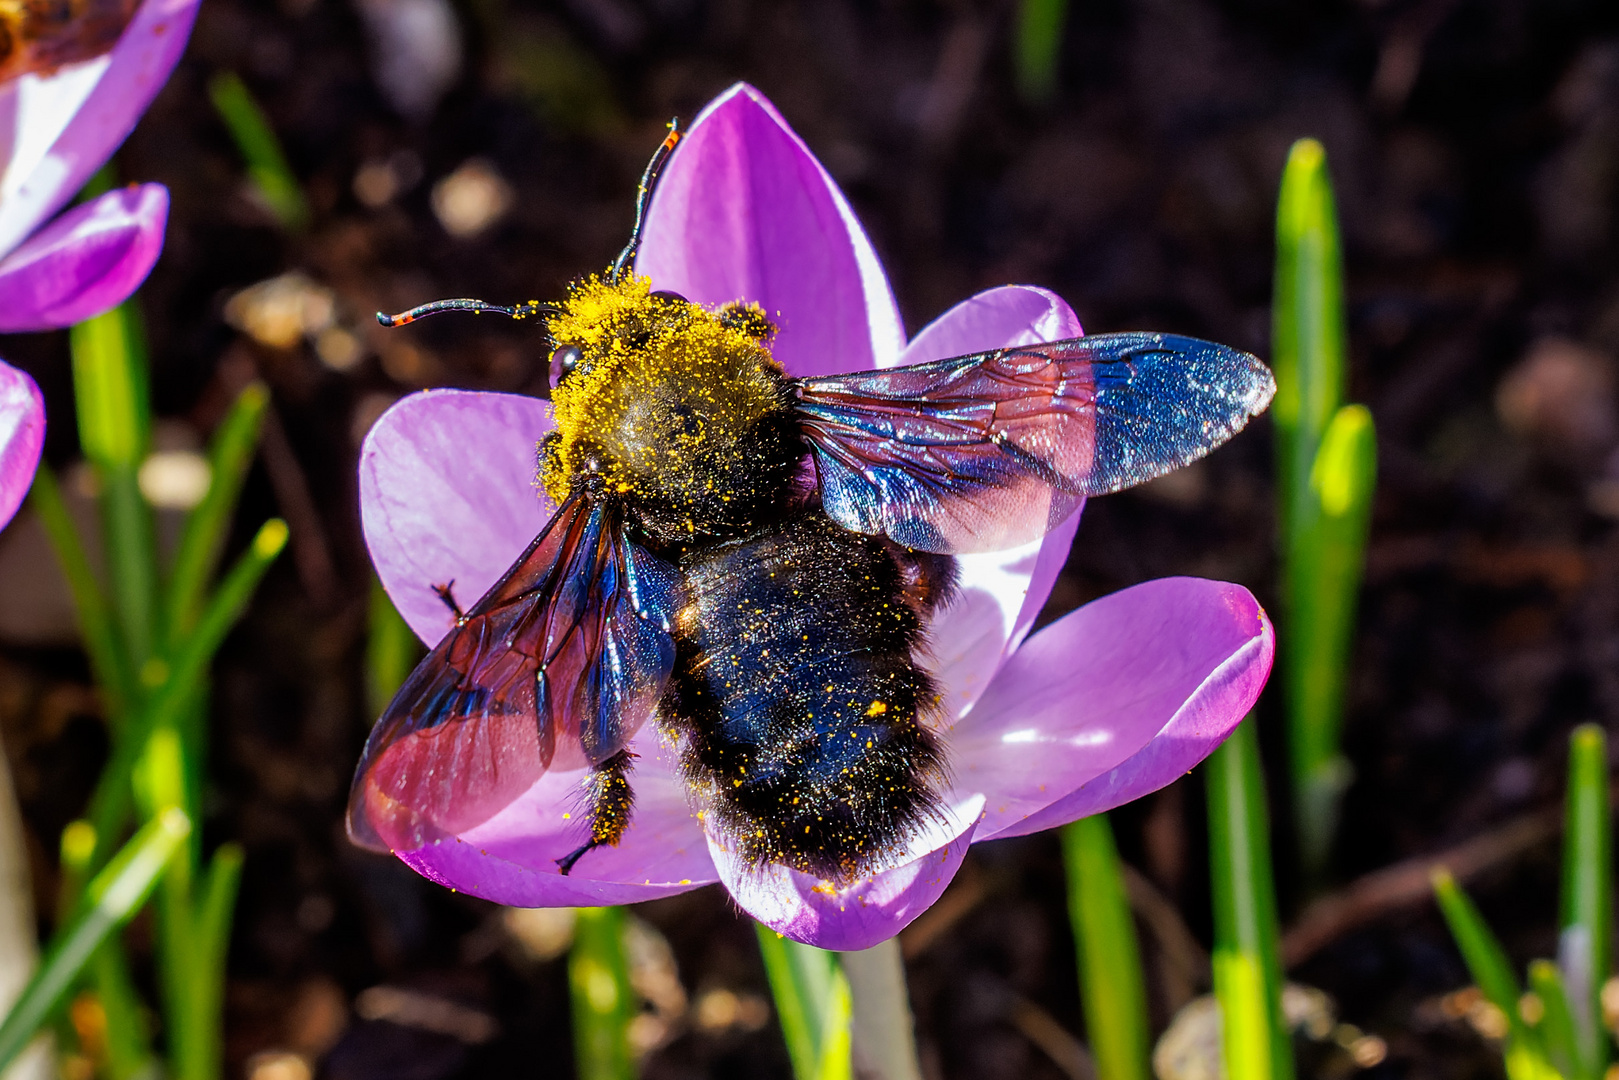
[1475, 149]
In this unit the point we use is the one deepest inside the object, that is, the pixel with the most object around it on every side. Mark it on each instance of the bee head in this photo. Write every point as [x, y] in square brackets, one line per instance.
[638, 376]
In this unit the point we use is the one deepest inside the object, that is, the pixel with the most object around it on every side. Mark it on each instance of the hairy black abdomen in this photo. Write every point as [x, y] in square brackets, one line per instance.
[796, 696]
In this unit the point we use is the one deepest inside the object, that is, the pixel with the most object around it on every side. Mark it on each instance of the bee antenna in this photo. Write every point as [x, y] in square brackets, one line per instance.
[649, 180]
[525, 310]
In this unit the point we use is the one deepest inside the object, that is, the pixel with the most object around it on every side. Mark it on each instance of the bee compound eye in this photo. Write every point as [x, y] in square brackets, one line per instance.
[563, 362]
[665, 294]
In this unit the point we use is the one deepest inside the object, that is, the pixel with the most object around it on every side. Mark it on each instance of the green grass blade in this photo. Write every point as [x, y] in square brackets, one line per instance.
[110, 387]
[1556, 1023]
[1037, 48]
[1584, 950]
[1486, 960]
[197, 557]
[256, 141]
[1112, 990]
[603, 1001]
[108, 661]
[812, 1003]
[391, 650]
[190, 663]
[1328, 555]
[1487, 963]
[1322, 453]
[837, 1052]
[175, 684]
[199, 1053]
[114, 895]
[160, 784]
[1247, 966]
[129, 1042]
[1307, 322]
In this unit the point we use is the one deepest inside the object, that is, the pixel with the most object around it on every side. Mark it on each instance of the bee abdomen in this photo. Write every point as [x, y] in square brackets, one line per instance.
[797, 699]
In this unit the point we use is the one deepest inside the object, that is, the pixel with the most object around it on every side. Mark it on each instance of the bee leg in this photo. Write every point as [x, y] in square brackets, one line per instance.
[611, 799]
[446, 593]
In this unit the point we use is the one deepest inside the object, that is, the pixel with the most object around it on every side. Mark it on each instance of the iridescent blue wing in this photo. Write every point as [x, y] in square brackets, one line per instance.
[984, 452]
[557, 666]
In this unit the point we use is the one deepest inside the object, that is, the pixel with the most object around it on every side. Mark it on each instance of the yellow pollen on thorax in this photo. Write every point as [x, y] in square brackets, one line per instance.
[660, 380]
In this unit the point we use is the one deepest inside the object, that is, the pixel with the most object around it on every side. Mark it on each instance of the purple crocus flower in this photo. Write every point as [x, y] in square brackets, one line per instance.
[22, 436]
[1109, 703]
[56, 129]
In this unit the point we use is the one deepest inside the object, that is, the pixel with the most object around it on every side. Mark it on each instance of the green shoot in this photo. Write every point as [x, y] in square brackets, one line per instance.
[1037, 48]
[1585, 945]
[1112, 989]
[603, 1001]
[115, 430]
[1326, 463]
[1255, 1040]
[255, 139]
[1555, 1032]
[391, 650]
[813, 1004]
[113, 897]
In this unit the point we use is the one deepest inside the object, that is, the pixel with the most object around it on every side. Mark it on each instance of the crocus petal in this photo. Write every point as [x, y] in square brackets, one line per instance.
[22, 435]
[858, 916]
[745, 212]
[511, 859]
[994, 319]
[84, 262]
[1200, 726]
[62, 127]
[1178, 660]
[447, 493]
[1000, 592]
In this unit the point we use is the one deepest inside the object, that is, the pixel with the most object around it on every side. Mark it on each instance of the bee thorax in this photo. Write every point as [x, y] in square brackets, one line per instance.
[678, 410]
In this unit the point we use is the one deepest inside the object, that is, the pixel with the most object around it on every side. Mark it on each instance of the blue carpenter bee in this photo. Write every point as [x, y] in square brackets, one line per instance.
[752, 558]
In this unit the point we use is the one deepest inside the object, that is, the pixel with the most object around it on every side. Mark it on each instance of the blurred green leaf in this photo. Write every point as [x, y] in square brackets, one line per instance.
[1307, 330]
[256, 141]
[108, 661]
[128, 1051]
[1256, 1044]
[197, 557]
[391, 650]
[172, 685]
[603, 1001]
[561, 80]
[1112, 990]
[1487, 962]
[1328, 555]
[196, 1048]
[109, 388]
[1037, 48]
[1326, 465]
[1585, 949]
[159, 782]
[812, 1003]
[115, 430]
[1556, 1023]
[128, 1040]
[114, 895]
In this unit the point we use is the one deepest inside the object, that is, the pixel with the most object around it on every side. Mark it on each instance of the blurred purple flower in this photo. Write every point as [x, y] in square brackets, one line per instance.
[1104, 705]
[22, 436]
[56, 130]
